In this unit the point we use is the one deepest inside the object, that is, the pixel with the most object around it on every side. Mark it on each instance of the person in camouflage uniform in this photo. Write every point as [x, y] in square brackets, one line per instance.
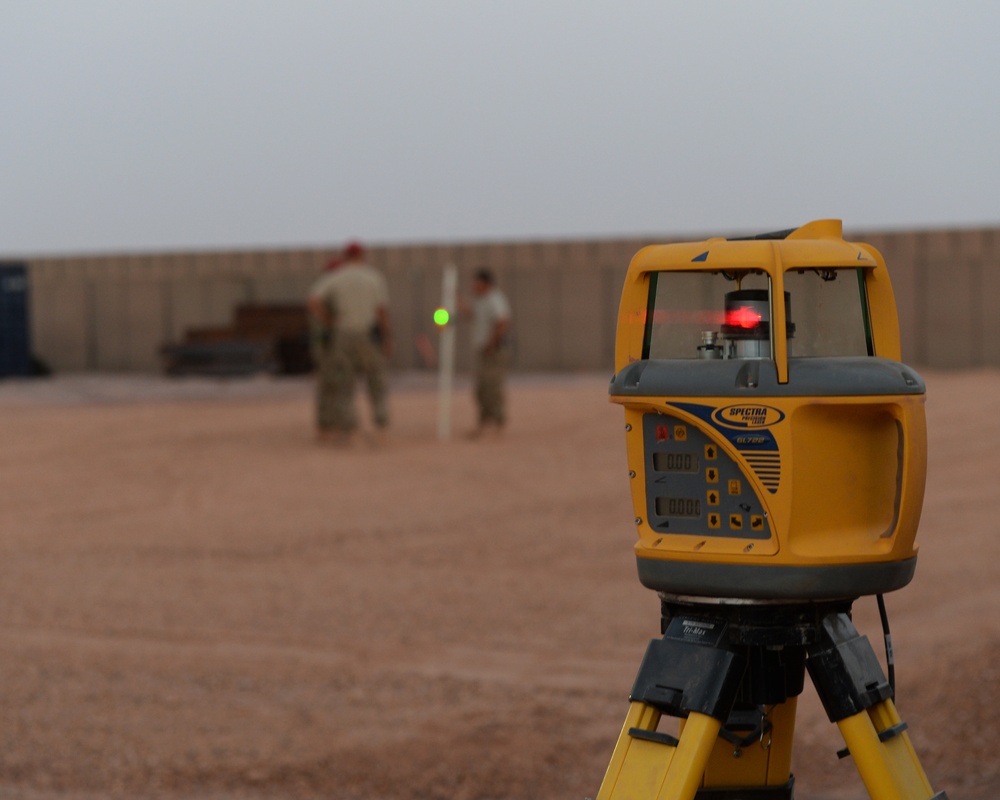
[349, 306]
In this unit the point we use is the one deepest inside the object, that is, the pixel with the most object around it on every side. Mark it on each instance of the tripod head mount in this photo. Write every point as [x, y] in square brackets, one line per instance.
[769, 459]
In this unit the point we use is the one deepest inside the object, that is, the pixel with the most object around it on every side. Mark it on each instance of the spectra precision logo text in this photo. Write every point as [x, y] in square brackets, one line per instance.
[748, 416]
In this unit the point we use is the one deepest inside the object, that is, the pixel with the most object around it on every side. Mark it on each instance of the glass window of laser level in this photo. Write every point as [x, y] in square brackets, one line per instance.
[831, 313]
[708, 315]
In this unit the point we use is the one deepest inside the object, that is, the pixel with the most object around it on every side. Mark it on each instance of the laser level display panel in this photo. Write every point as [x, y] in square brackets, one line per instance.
[678, 507]
[676, 462]
[694, 488]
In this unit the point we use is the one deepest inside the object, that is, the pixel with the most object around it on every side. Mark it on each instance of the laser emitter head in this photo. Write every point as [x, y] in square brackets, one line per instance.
[769, 459]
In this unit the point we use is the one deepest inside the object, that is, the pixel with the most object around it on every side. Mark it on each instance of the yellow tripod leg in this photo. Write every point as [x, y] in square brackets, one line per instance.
[888, 764]
[655, 766]
[688, 766]
[616, 777]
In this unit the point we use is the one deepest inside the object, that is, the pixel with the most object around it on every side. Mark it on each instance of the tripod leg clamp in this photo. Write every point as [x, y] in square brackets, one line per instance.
[845, 670]
[677, 677]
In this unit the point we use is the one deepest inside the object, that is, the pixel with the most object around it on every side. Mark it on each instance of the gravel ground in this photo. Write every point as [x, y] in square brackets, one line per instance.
[200, 602]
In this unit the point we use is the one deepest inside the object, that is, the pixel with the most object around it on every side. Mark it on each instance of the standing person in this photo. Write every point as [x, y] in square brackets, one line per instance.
[350, 304]
[490, 328]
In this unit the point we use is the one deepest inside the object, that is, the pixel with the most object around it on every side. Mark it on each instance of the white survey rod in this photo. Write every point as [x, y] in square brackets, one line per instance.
[446, 362]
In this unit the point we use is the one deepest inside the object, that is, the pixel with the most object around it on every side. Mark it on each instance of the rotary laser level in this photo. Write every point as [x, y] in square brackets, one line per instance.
[777, 455]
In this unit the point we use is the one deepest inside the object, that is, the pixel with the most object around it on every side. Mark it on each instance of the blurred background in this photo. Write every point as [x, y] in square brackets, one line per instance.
[171, 168]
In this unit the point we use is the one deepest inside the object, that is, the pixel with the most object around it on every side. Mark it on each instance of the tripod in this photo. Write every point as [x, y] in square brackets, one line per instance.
[732, 672]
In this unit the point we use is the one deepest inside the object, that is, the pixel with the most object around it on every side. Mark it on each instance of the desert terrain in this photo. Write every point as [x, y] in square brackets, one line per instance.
[199, 602]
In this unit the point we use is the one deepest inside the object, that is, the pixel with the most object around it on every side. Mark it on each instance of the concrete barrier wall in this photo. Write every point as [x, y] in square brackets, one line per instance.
[113, 313]
[947, 285]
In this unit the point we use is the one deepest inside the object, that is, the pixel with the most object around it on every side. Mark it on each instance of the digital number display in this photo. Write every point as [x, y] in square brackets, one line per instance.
[678, 506]
[675, 462]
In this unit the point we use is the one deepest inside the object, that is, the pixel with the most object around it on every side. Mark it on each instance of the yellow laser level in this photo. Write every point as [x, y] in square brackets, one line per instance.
[770, 458]
[777, 457]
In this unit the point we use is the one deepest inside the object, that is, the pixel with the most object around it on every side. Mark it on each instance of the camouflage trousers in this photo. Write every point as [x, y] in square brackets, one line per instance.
[349, 356]
[490, 379]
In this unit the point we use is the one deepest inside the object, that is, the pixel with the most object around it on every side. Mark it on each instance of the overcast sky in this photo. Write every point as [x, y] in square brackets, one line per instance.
[142, 125]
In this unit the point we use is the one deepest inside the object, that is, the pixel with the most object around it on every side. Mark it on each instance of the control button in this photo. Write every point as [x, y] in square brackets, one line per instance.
[714, 520]
[711, 452]
[734, 486]
[712, 475]
[662, 433]
[736, 522]
[756, 522]
[680, 433]
[713, 497]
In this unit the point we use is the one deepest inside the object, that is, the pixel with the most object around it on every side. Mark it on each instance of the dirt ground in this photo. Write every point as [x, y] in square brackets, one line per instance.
[197, 601]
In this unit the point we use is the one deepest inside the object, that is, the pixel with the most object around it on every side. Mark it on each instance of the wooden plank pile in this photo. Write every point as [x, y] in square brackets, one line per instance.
[264, 337]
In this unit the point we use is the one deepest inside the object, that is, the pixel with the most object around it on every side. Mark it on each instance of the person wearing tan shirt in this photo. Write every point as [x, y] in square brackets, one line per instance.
[491, 319]
[350, 306]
